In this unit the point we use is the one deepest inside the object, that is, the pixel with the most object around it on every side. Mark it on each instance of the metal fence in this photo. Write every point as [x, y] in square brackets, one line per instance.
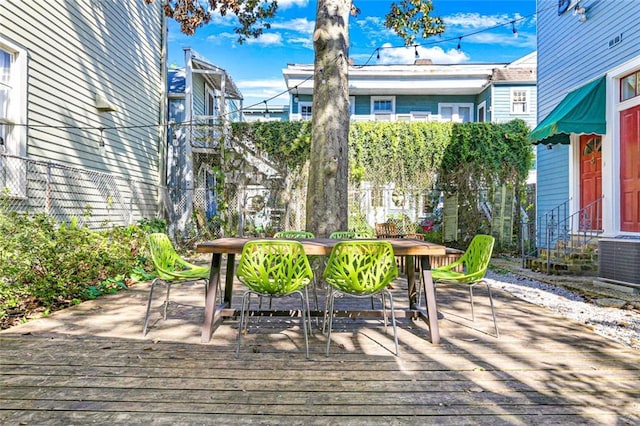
[97, 199]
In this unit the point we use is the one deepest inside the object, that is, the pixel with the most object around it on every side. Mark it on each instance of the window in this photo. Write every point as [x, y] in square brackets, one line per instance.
[383, 104]
[629, 86]
[459, 113]
[482, 112]
[305, 110]
[13, 110]
[352, 105]
[519, 101]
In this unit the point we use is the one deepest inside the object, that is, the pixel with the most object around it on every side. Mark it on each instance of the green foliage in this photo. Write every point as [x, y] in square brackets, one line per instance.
[286, 142]
[411, 18]
[480, 159]
[470, 159]
[52, 265]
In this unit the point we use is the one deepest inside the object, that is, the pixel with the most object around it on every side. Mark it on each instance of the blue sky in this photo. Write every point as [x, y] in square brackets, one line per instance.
[256, 66]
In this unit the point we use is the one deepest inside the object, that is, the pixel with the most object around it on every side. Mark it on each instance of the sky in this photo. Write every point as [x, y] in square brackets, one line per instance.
[256, 66]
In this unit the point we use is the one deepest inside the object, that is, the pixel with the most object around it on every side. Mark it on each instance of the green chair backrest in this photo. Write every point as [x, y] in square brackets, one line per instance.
[343, 235]
[361, 267]
[168, 263]
[294, 235]
[476, 258]
[274, 267]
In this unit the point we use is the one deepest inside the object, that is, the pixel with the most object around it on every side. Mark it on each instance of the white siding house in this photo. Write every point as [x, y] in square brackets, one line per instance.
[82, 98]
[588, 125]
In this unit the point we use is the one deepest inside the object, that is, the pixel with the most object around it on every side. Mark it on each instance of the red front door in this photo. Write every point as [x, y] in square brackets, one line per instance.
[630, 169]
[590, 182]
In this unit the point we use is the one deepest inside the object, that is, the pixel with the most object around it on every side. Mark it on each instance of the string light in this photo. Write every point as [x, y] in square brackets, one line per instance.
[296, 98]
[415, 50]
[376, 52]
[266, 110]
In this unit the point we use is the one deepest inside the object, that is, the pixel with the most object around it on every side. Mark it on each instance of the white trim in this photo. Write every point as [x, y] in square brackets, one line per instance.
[15, 142]
[482, 105]
[305, 104]
[527, 104]
[383, 98]
[455, 115]
[611, 148]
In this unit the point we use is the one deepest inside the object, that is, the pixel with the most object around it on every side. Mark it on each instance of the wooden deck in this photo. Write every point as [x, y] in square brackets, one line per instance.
[90, 364]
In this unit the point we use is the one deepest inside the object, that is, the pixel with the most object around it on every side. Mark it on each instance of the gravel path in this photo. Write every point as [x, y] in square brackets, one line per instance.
[620, 324]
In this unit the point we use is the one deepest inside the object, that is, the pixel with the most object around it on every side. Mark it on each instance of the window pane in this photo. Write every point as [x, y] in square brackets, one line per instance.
[628, 87]
[305, 112]
[446, 113]
[382, 105]
[464, 113]
[5, 66]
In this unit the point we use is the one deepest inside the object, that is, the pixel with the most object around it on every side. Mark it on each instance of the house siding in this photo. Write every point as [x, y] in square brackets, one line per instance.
[501, 104]
[77, 49]
[570, 54]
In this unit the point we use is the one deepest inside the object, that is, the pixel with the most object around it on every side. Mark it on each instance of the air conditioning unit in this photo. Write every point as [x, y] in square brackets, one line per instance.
[619, 260]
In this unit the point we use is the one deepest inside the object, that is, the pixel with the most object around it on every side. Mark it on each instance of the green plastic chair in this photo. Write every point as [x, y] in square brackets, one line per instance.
[274, 269]
[294, 235]
[474, 262]
[343, 235]
[361, 269]
[170, 269]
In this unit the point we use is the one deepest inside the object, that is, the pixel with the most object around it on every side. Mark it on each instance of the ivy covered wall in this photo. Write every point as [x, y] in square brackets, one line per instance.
[472, 160]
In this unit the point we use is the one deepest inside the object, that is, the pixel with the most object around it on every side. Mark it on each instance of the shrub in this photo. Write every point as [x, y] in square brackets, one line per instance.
[51, 265]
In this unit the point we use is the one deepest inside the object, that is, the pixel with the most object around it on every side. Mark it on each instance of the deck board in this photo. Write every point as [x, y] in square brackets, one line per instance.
[90, 364]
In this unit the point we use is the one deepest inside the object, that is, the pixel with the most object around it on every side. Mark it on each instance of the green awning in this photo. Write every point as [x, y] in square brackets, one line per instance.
[582, 111]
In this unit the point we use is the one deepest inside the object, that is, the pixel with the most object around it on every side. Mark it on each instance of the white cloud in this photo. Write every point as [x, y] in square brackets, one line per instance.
[255, 91]
[307, 43]
[474, 20]
[284, 4]
[267, 39]
[301, 25]
[406, 55]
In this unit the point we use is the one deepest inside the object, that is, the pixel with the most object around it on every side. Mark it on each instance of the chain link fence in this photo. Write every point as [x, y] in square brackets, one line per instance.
[97, 199]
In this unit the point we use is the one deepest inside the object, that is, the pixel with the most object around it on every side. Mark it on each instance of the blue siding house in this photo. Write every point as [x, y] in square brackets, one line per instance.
[588, 136]
[423, 91]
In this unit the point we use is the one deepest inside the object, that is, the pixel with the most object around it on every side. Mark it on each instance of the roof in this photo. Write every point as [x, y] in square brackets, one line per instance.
[212, 74]
[419, 78]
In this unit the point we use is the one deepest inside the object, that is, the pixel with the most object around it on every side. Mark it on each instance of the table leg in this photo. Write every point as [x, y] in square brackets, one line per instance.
[430, 296]
[228, 283]
[212, 296]
[411, 280]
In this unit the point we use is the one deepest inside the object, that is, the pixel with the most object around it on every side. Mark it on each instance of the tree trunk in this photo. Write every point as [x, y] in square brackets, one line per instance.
[327, 191]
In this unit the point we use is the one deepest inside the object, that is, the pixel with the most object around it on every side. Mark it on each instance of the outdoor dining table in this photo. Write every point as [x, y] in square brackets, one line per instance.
[408, 248]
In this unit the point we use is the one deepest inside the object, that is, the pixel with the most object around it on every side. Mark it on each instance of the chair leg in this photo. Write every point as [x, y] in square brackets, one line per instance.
[330, 318]
[384, 310]
[473, 316]
[146, 317]
[393, 320]
[304, 301]
[166, 300]
[245, 299]
[493, 311]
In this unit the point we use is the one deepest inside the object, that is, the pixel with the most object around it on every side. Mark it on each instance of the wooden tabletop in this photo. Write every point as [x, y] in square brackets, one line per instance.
[323, 246]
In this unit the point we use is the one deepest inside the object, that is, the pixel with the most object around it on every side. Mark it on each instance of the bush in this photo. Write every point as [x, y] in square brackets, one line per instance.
[49, 265]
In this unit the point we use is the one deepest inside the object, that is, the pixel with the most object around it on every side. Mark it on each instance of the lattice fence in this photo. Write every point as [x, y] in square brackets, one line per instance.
[98, 199]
